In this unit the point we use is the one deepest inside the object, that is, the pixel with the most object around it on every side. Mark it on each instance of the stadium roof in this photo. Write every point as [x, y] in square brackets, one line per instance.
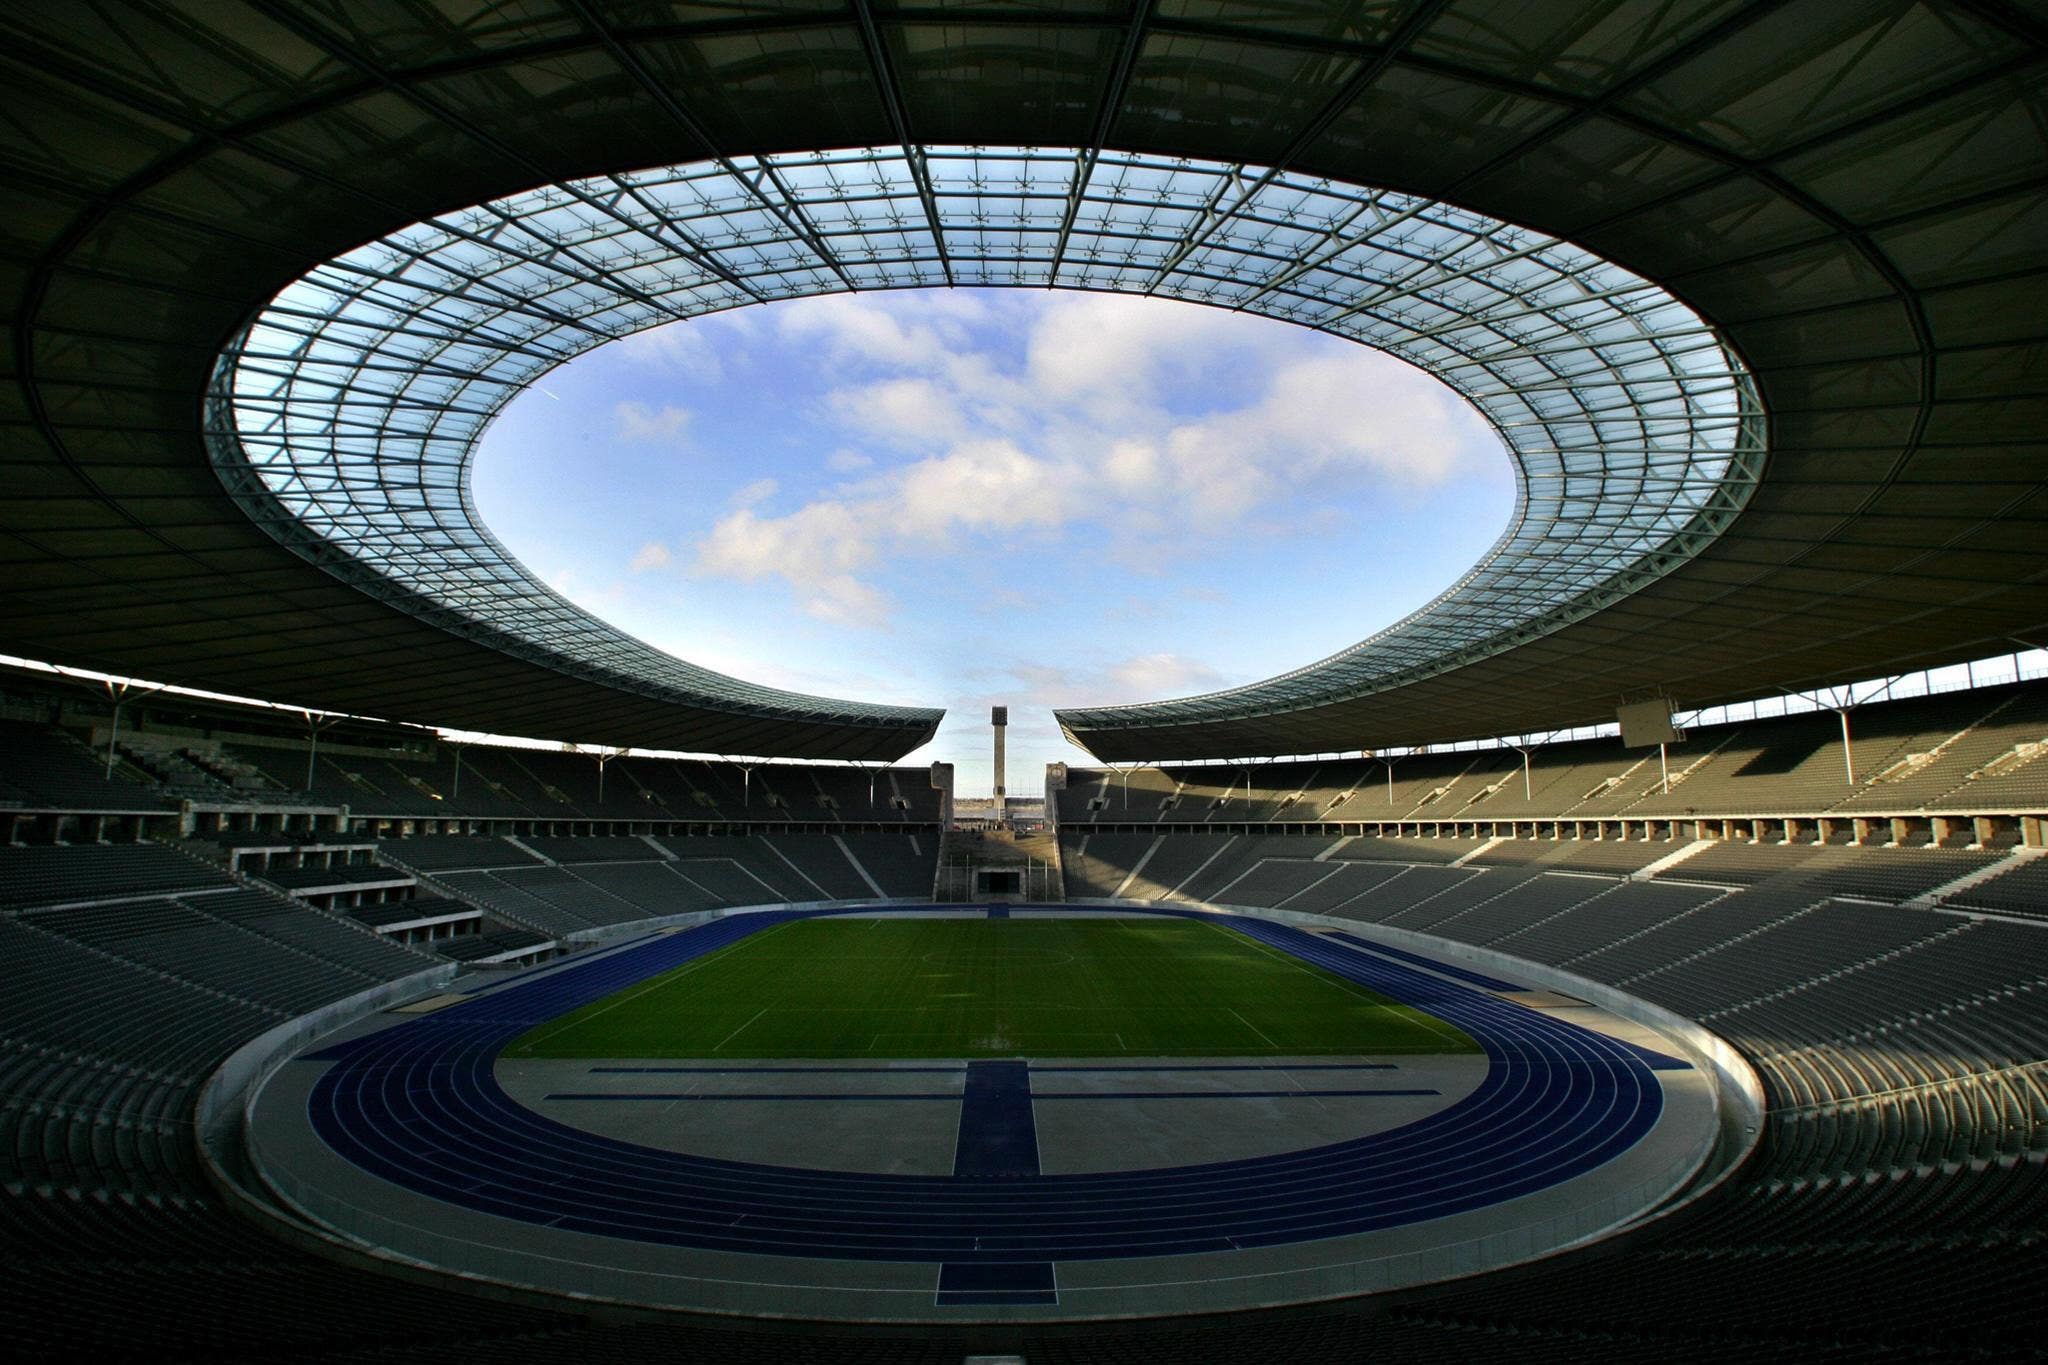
[1837, 476]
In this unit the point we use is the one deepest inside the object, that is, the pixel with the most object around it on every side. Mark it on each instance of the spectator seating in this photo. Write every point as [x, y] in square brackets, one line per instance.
[1976, 752]
[387, 776]
[607, 881]
[901, 864]
[493, 945]
[1899, 1181]
[2021, 891]
[51, 875]
[48, 768]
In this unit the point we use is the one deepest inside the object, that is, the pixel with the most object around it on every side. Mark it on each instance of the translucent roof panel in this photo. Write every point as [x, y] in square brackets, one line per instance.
[344, 417]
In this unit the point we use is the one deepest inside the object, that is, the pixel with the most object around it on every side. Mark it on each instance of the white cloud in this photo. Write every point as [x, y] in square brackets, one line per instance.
[1157, 420]
[906, 413]
[1344, 416]
[1139, 677]
[639, 422]
[653, 555]
[819, 539]
[984, 484]
[846, 328]
[845, 600]
[755, 493]
[1099, 346]
[1131, 467]
[821, 548]
[677, 348]
[1146, 677]
[816, 550]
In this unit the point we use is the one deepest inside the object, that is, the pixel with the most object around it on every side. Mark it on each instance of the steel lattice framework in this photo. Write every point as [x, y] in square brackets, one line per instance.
[1851, 195]
[346, 416]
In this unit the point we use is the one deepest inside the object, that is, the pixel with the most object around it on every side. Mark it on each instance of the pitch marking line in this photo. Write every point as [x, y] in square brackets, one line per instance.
[719, 1046]
[1254, 1028]
[1421, 1016]
[660, 981]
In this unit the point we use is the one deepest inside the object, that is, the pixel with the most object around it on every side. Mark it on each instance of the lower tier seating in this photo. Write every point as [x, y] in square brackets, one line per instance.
[1894, 1211]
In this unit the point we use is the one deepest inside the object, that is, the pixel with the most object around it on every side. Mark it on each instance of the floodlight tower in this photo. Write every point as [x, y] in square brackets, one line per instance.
[999, 718]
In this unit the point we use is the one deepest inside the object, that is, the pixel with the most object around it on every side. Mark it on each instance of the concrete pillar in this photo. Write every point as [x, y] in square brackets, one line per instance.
[999, 720]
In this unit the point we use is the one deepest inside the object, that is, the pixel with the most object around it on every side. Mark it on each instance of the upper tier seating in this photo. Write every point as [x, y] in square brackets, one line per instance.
[46, 767]
[238, 759]
[1977, 751]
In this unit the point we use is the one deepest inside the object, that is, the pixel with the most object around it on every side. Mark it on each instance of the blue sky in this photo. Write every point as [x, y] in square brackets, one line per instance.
[977, 497]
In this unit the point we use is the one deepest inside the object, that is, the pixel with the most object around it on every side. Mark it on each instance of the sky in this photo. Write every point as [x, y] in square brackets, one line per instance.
[968, 498]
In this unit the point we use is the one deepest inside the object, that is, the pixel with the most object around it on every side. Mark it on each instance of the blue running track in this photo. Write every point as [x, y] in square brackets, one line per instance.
[418, 1105]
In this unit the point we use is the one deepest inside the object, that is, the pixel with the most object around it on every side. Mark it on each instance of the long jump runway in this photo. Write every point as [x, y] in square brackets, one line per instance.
[404, 1139]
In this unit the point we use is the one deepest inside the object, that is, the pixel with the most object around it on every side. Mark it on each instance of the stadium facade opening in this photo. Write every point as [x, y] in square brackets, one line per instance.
[344, 418]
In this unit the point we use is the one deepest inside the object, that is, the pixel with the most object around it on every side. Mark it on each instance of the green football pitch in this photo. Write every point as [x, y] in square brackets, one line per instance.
[904, 988]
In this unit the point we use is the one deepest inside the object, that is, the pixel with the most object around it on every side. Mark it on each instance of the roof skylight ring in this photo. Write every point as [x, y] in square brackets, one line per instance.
[344, 417]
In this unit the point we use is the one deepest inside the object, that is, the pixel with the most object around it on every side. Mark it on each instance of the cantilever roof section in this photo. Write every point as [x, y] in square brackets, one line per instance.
[1852, 194]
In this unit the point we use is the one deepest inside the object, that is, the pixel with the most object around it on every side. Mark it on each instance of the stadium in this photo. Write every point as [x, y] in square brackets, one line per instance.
[1639, 951]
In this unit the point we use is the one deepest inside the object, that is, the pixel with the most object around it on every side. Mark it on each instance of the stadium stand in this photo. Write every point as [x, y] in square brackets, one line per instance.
[497, 946]
[51, 769]
[237, 774]
[901, 864]
[591, 849]
[438, 853]
[1848, 194]
[383, 915]
[32, 876]
[2023, 890]
[1905, 1054]
[1956, 769]
[1902, 1050]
